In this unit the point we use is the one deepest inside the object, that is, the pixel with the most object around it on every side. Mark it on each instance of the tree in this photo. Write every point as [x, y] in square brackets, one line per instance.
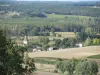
[81, 36]
[66, 66]
[52, 32]
[92, 68]
[87, 42]
[3, 44]
[86, 68]
[69, 67]
[89, 31]
[44, 40]
[11, 58]
[45, 47]
[68, 42]
[65, 43]
[96, 41]
[58, 43]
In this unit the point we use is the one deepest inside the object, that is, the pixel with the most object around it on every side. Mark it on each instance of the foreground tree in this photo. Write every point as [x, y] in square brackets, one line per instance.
[12, 58]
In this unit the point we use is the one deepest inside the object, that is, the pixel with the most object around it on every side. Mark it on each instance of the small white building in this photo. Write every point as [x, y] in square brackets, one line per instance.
[25, 41]
[37, 49]
[50, 49]
[79, 45]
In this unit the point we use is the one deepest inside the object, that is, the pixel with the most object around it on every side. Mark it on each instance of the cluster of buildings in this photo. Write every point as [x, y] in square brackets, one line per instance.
[38, 49]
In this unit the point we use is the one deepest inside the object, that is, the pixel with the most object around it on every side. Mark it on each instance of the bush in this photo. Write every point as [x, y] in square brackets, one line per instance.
[55, 71]
[94, 56]
[86, 68]
[77, 67]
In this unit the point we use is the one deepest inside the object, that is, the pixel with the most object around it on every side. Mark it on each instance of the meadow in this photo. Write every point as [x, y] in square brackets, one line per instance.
[52, 19]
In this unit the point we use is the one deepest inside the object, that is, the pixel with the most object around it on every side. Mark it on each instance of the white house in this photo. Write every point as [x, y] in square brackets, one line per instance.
[37, 49]
[50, 49]
[79, 45]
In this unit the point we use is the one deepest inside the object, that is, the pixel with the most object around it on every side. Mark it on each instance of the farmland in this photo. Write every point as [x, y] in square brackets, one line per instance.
[53, 19]
[50, 36]
[79, 53]
[68, 53]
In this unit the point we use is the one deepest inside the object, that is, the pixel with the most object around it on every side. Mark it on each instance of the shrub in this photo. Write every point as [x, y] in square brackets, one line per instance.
[77, 67]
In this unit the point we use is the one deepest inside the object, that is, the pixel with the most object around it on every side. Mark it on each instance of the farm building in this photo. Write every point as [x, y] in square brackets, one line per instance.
[52, 48]
[37, 49]
[79, 45]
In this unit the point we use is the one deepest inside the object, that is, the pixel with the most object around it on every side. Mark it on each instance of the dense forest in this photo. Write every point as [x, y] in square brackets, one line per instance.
[67, 8]
[36, 17]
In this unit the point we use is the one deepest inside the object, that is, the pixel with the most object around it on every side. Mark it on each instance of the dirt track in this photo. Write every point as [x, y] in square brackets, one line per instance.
[45, 73]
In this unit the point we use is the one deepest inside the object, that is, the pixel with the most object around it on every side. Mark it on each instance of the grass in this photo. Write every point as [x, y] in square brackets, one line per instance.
[66, 34]
[52, 19]
[66, 16]
[45, 61]
[48, 60]
[94, 56]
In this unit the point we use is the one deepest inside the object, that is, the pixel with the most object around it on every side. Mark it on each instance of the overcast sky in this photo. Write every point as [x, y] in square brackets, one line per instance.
[58, 0]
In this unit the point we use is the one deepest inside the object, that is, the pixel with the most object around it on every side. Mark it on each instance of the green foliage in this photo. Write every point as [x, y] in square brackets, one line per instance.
[45, 61]
[69, 8]
[58, 43]
[94, 56]
[45, 47]
[11, 58]
[81, 36]
[66, 66]
[87, 42]
[87, 68]
[96, 41]
[68, 42]
[44, 40]
[77, 67]
[89, 31]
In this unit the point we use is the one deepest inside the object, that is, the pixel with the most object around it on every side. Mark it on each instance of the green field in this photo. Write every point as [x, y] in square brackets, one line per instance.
[52, 19]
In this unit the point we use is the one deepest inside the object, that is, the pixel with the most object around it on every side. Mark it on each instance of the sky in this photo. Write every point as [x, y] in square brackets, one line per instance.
[59, 0]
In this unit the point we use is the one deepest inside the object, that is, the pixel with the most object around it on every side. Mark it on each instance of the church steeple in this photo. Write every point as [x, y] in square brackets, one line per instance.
[25, 41]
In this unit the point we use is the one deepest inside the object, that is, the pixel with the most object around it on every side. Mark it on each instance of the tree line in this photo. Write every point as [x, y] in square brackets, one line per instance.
[77, 67]
[67, 8]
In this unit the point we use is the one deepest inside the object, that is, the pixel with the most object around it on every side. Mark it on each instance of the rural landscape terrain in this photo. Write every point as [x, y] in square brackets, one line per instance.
[49, 37]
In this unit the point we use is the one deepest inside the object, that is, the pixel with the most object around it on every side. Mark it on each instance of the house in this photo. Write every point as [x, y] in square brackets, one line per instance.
[52, 48]
[79, 45]
[37, 49]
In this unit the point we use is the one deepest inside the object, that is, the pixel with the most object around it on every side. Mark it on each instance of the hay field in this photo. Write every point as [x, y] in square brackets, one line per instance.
[66, 34]
[68, 53]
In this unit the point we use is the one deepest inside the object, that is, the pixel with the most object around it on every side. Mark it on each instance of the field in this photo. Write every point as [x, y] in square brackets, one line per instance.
[52, 19]
[45, 68]
[66, 34]
[68, 53]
